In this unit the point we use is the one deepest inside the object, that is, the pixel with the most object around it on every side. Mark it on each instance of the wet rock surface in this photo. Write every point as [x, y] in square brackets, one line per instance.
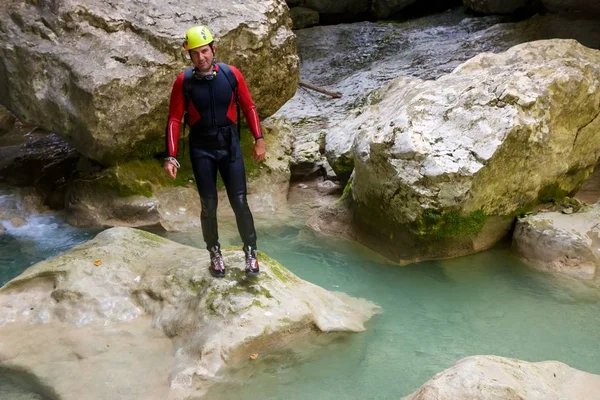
[130, 298]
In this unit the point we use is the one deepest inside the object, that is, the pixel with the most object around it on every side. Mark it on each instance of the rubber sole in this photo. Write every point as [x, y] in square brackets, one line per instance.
[252, 273]
[216, 274]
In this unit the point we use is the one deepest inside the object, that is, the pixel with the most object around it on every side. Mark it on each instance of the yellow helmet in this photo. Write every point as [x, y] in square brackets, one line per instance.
[197, 36]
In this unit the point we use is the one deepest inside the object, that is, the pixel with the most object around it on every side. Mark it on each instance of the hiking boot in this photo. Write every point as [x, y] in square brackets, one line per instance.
[251, 261]
[217, 264]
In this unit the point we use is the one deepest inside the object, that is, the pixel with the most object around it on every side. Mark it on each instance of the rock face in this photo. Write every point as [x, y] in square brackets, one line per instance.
[385, 8]
[33, 157]
[338, 6]
[100, 73]
[442, 167]
[99, 299]
[586, 6]
[7, 120]
[496, 6]
[563, 243]
[500, 378]
[304, 17]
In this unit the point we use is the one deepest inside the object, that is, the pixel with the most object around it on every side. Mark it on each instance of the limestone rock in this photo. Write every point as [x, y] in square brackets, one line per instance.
[329, 187]
[100, 73]
[303, 17]
[121, 295]
[562, 243]
[268, 184]
[33, 157]
[500, 378]
[94, 203]
[442, 166]
[496, 6]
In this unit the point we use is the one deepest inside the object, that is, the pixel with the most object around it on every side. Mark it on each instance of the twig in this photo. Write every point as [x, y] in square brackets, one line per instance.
[335, 95]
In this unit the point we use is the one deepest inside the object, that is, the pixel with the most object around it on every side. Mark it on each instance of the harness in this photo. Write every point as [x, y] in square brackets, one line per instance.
[188, 78]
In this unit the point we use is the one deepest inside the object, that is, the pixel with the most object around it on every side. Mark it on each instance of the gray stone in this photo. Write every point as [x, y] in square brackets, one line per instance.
[329, 187]
[100, 73]
[501, 378]
[561, 243]
[134, 316]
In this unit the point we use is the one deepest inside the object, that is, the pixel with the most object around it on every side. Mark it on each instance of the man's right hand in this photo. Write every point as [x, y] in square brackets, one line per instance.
[170, 169]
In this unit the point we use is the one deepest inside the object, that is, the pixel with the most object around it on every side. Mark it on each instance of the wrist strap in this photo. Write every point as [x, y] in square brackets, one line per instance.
[173, 161]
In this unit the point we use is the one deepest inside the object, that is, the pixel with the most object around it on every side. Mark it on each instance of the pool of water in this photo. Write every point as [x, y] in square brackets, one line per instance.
[434, 313]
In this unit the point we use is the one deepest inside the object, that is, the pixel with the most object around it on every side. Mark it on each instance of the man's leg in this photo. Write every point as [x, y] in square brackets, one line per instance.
[234, 177]
[204, 165]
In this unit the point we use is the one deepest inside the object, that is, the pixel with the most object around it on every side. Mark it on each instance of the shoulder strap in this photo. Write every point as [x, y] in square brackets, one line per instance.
[187, 86]
[234, 86]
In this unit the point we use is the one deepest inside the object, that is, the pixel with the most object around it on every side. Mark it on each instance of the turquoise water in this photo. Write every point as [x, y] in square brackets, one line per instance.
[434, 313]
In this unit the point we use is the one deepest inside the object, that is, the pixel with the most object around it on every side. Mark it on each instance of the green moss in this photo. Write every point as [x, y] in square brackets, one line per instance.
[347, 193]
[152, 237]
[548, 194]
[257, 303]
[286, 320]
[195, 286]
[551, 193]
[451, 224]
[140, 177]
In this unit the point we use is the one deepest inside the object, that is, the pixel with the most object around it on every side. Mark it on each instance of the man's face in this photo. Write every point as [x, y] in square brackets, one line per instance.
[202, 57]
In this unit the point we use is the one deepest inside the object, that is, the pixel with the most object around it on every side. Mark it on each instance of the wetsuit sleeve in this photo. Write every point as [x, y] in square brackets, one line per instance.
[176, 110]
[247, 105]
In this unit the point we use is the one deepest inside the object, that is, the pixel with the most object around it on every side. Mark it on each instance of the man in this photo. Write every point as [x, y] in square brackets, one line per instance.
[209, 93]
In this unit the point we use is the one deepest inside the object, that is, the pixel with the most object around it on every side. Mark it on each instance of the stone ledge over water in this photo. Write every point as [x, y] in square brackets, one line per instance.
[560, 242]
[500, 378]
[98, 318]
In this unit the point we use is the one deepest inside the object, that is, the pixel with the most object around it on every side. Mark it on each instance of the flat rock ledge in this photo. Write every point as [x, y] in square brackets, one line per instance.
[500, 378]
[131, 315]
[561, 242]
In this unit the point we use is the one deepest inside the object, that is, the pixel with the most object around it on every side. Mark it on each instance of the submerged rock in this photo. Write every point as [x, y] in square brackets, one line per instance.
[98, 298]
[442, 167]
[100, 73]
[500, 378]
[566, 243]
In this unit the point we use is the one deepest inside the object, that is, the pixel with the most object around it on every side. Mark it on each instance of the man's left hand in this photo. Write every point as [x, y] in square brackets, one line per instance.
[259, 152]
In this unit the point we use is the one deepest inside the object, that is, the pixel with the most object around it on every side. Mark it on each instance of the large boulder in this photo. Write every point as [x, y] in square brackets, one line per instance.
[131, 315]
[561, 242]
[497, 6]
[586, 6]
[501, 378]
[349, 7]
[442, 167]
[303, 17]
[101, 75]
